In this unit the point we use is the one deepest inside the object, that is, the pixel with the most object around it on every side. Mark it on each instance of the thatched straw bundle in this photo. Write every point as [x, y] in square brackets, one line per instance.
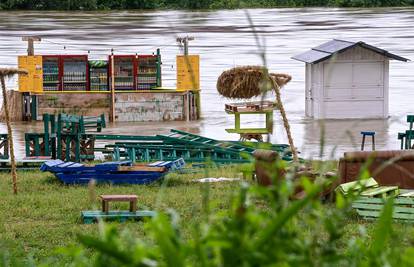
[248, 81]
[9, 72]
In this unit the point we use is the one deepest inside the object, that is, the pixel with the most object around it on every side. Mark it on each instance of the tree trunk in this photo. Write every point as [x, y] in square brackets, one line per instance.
[9, 135]
[284, 118]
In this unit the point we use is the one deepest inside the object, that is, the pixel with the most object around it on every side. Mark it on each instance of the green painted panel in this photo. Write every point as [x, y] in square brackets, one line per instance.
[248, 131]
[377, 207]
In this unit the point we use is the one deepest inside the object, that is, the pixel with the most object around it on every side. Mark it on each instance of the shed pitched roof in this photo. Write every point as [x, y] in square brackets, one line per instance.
[328, 49]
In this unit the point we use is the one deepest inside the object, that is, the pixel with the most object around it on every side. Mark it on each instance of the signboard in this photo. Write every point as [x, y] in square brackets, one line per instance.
[188, 72]
[33, 82]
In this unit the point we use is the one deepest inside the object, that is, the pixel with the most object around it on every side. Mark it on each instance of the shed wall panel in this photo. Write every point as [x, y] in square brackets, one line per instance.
[357, 53]
[149, 107]
[128, 106]
[337, 75]
[368, 73]
[354, 109]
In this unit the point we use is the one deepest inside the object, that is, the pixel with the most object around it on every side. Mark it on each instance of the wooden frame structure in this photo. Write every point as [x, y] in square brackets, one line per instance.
[260, 107]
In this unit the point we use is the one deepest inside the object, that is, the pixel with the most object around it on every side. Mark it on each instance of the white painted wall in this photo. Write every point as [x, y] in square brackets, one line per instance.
[353, 84]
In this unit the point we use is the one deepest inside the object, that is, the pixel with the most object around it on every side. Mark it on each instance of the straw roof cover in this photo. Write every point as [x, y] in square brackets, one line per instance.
[8, 72]
[248, 81]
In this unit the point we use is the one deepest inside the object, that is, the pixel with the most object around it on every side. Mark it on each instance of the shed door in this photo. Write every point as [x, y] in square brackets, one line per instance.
[337, 80]
[362, 80]
[368, 80]
[354, 89]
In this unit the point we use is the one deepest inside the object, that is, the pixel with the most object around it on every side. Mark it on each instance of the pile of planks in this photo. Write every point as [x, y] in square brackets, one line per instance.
[372, 198]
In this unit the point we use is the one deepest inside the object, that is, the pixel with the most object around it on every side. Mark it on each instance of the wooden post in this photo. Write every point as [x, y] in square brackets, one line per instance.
[286, 124]
[9, 135]
[8, 73]
[188, 106]
[159, 80]
[112, 89]
[27, 116]
[184, 41]
[30, 43]
[185, 108]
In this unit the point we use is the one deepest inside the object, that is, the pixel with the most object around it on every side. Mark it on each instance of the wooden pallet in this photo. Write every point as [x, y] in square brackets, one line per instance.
[381, 191]
[356, 186]
[370, 208]
[91, 216]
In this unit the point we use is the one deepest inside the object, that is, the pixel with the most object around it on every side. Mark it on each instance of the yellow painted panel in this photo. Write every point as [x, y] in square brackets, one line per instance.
[23, 79]
[38, 75]
[188, 72]
[33, 82]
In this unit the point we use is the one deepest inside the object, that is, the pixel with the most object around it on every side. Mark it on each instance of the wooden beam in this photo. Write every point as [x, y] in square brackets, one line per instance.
[30, 40]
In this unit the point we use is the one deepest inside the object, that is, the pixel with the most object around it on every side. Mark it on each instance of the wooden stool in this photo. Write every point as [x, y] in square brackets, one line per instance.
[132, 199]
[372, 134]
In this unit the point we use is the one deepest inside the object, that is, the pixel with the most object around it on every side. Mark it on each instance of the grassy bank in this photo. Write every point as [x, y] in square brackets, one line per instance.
[45, 215]
[190, 4]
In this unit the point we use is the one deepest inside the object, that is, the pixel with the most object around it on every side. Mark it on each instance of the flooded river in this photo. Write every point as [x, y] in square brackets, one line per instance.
[224, 39]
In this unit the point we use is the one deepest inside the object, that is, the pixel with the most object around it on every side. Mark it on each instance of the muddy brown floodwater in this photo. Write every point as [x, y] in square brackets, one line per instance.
[224, 39]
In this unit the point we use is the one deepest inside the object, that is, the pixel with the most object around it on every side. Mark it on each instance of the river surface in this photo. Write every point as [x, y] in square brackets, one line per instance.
[224, 39]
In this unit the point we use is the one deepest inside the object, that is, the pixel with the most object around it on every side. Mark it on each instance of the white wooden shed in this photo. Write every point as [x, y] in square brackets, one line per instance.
[346, 80]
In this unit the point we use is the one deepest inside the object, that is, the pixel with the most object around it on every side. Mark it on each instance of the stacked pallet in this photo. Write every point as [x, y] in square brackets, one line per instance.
[372, 198]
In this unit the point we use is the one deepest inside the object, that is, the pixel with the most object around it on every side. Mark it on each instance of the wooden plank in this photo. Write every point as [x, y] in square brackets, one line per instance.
[406, 193]
[356, 185]
[382, 190]
[92, 216]
[141, 168]
[376, 207]
[249, 131]
[119, 197]
[256, 106]
[370, 200]
[376, 214]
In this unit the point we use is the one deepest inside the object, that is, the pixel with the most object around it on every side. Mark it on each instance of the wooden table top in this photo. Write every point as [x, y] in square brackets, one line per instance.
[119, 197]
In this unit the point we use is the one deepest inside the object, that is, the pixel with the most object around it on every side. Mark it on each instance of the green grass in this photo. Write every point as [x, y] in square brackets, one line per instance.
[46, 214]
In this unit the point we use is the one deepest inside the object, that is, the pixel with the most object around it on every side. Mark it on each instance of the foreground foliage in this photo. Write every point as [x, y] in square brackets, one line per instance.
[262, 227]
[220, 224]
[189, 4]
